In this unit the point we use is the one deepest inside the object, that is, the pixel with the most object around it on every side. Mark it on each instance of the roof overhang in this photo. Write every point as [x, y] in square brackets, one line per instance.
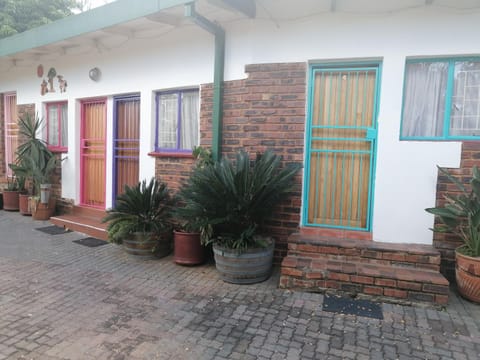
[115, 13]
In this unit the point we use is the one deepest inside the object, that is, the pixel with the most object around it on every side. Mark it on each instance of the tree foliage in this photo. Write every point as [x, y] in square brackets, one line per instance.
[17, 16]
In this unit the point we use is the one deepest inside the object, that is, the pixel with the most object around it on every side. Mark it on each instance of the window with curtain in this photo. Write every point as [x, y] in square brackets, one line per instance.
[57, 126]
[177, 120]
[441, 100]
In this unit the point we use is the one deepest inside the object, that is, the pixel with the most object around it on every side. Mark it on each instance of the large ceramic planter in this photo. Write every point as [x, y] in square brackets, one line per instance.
[188, 249]
[148, 245]
[467, 273]
[24, 201]
[43, 211]
[246, 267]
[10, 200]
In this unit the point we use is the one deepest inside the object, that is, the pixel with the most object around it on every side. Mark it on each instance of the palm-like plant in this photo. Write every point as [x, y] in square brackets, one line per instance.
[34, 160]
[231, 201]
[461, 213]
[141, 208]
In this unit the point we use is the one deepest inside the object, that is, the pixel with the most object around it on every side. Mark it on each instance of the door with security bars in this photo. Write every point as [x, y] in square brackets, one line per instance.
[11, 130]
[341, 147]
[126, 143]
[92, 153]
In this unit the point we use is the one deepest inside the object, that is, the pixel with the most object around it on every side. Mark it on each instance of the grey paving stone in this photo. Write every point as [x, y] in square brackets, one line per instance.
[62, 301]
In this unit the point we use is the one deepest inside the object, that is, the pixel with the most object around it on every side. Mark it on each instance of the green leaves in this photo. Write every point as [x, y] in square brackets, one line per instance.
[461, 213]
[20, 15]
[34, 160]
[230, 200]
[141, 208]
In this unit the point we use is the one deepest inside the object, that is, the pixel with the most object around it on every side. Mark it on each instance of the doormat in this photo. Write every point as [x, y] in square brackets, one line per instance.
[348, 306]
[90, 242]
[53, 230]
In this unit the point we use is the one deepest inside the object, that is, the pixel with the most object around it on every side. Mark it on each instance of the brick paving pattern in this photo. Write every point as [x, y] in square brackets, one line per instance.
[61, 300]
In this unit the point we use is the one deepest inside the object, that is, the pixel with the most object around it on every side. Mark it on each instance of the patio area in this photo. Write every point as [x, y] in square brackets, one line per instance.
[62, 300]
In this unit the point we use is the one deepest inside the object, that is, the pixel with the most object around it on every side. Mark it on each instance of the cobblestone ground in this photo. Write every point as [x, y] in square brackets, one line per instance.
[61, 300]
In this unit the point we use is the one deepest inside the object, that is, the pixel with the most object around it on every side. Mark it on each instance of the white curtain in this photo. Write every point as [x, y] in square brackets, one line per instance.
[189, 122]
[167, 121]
[465, 113]
[424, 99]
[53, 125]
[64, 114]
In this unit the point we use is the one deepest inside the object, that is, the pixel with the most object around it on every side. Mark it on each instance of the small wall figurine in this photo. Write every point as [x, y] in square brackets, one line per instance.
[51, 75]
[62, 83]
[43, 87]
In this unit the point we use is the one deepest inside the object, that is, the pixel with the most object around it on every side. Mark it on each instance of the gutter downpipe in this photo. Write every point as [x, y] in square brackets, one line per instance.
[218, 75]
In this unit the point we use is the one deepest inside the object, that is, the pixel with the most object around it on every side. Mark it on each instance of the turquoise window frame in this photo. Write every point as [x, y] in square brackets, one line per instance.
[448, 99]
[348, 65]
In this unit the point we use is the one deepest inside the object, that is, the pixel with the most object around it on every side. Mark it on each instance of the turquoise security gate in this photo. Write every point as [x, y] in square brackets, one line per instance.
[341, 143]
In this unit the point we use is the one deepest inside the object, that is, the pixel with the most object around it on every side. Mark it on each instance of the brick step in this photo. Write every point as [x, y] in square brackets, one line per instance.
[84, 220]
[412, 284]
[363, 251]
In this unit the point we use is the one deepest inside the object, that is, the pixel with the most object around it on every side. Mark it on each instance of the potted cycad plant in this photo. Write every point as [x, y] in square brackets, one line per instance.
[188, 249]
[460, 215]
[230, 202]
[141, 219]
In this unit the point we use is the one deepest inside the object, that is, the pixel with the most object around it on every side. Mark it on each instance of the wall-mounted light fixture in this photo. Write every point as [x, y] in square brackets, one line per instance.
[95, 74]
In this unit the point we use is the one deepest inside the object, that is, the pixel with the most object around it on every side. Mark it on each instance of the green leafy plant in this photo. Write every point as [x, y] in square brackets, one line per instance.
[141, 208]
[12, 184]
[185, 221]
[461, 213]
[34, 161]
[230, 201]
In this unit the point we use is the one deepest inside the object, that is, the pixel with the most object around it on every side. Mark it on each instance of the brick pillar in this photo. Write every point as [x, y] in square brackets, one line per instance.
[265, 111]
[2, 140]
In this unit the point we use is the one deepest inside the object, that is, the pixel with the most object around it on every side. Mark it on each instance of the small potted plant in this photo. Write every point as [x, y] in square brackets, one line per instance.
[461, 216]
[11, 195]
[141, 219]
[230, 202]
[188, 249]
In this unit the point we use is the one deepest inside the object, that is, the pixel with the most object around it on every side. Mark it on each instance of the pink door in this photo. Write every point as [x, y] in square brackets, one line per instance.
[92, 153]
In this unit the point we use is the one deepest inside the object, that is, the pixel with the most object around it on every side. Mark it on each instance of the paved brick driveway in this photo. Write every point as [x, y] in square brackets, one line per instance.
[61, 300]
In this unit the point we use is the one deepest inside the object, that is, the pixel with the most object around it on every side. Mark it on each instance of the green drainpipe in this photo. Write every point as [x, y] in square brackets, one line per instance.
[219, 65]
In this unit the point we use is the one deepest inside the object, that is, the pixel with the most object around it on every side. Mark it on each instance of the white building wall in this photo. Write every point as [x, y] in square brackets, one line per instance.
[406, 174]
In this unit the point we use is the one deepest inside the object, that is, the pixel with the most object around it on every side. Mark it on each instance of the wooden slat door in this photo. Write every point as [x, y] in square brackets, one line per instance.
[126, 143]
[341, 147]
[92, 152]
[11, 130]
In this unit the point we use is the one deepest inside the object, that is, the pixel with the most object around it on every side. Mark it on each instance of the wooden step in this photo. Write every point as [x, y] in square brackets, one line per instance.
[85, 220]
[407, 272]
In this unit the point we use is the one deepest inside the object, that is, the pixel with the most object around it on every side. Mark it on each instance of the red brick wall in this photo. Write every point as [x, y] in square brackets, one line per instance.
[264, 111]
[2, 138]
[447, 243]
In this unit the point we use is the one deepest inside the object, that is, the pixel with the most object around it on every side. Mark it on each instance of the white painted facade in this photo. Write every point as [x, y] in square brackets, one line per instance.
[406, 173]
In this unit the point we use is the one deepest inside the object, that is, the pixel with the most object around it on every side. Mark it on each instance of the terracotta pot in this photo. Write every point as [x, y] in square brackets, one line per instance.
[43, 211]
[24, 201]
[10, 200]
[467, 273]
[148, 244]
[244, 267]
[188, 249]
